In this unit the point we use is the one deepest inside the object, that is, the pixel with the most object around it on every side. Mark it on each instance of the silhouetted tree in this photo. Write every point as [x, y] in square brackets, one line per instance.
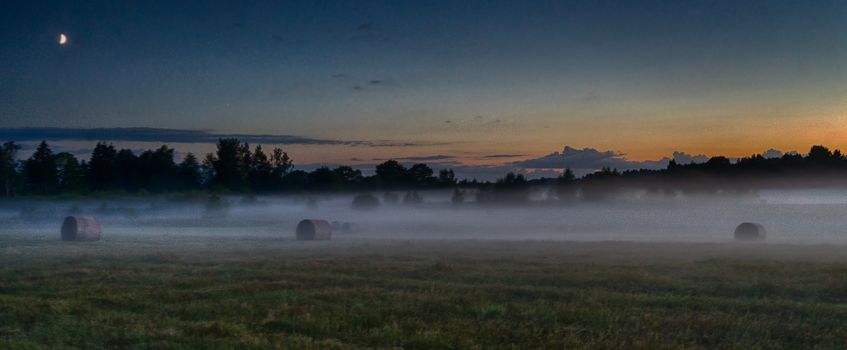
[296, 180]
[324, 179]
[350, 178]
[9, 167]
[566, 189]
[129, 170]
[71, 173]
[391, 175]
[512, 188]
[41, 173]
[420, 176]
[230, 164]
[103, 167]
[600, 185]
[446, 177]
[158, 172]
[261, 174]
[188, 173]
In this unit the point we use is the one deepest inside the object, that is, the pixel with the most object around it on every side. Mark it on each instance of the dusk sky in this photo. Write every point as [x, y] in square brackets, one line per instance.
[461, 83]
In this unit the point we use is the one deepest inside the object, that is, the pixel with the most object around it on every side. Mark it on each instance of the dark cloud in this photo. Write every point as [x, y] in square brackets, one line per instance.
[375, 82]
[339, 76]
[588, 160]
[685, 158]
[175, 136]
[358, 88]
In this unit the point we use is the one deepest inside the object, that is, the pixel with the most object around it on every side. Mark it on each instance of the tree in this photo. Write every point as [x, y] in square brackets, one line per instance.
[71, 173]
[446, 177]
[324, 179]
[391, 174]
[565, 187]
[280, 162]
[420, 175]
[260, 175]
[41, 172]
[230, 164]
[350, 178]
[819, 154]
[188, 173]
[103, 167]
[9, 167]
[512, 188]
[158, 170]
[129, 170]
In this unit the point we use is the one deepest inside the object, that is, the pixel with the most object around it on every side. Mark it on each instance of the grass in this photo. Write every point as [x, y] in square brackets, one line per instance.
[265, 293]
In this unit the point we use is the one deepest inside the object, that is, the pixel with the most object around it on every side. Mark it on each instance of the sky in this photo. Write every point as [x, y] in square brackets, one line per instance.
[476, 85]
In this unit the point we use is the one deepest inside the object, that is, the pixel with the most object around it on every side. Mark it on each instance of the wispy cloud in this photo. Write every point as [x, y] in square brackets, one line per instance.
[177, 136]
[437, 157]
[494, 156]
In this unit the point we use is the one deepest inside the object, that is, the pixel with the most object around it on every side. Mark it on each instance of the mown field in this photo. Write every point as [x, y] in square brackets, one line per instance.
[259, 293]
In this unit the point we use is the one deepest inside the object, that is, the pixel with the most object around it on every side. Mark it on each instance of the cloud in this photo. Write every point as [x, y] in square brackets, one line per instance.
[339, 76]
[504, 155]
[368, 32]
[587, 160]
[375, 82]
[773, 153]
[177, 136]
[419, 158]
[685, 158]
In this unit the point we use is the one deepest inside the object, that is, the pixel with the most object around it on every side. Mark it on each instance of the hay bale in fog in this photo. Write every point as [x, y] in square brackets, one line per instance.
[750, 231]
[365, 201]
[80, 228]
[314, 230]
[349, 227]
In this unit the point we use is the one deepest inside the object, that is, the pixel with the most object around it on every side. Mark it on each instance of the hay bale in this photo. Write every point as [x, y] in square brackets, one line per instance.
[349, 227]
[80, 228]
[365, 201]
[314, 230]
[750, 231]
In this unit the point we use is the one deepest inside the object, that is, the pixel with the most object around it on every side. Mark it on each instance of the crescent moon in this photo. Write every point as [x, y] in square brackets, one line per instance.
[63, 39]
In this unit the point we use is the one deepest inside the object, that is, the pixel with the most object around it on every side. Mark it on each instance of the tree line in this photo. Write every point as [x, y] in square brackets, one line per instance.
[238, 168]
[233, 167]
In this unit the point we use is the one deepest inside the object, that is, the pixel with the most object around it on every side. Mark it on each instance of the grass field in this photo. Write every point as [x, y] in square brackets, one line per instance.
[266, 293]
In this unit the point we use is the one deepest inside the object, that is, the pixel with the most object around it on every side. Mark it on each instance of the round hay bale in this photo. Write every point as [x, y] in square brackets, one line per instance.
[365, 201]
[314, 230]
[349, 227]
[80, 228]
[750, 231]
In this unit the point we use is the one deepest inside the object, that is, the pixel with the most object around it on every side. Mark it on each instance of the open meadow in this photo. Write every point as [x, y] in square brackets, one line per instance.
[273, 292]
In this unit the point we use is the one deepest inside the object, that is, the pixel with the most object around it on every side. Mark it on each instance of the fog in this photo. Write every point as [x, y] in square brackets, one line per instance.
[790, 216]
